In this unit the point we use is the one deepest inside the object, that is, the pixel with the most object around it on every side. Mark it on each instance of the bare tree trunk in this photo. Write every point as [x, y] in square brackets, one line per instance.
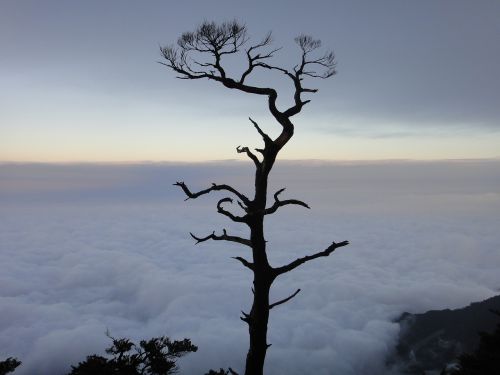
[257, 324]
[263, 276]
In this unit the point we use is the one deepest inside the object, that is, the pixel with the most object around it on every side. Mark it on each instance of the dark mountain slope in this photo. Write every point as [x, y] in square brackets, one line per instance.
[429, 341]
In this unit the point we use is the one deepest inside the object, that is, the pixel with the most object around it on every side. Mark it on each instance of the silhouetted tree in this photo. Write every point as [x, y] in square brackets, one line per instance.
[156, 356]
[486, 358]
[9, 365]
[199, 55]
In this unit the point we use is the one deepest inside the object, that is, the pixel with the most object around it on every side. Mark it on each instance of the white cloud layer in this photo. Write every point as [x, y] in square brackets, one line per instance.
[85, 248]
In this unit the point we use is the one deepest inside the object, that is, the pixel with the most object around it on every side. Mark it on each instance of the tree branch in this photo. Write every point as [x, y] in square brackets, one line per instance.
[218, 40]
[228, 38]
[330, 249]
[284, 300]
[250, 154]
[245, 262]
[246, 317]
[253, 58]
[265, 137]
[223, 237]
[307, 44]
[221, 210]
[277, 203]
[214, 187]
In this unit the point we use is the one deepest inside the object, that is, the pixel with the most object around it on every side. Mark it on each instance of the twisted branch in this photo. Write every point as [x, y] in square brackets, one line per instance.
[221, 210]
[214, 187]
[249, 153]
[277, 203]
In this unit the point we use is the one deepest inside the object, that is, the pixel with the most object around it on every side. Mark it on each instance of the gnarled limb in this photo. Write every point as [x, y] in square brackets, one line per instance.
[221, 210]
[223, 237]
[250, 154]
[277, 203]
[330, 249]
[284, 300]
[214, 187]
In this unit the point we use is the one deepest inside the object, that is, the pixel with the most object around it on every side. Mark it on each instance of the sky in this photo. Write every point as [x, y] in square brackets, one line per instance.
[93, 247]
[80, 81]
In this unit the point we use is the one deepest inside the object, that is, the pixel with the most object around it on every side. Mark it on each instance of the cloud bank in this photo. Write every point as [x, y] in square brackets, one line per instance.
[86, 248]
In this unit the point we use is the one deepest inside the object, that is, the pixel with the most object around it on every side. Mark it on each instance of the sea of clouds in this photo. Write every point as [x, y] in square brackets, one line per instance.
[89, 248]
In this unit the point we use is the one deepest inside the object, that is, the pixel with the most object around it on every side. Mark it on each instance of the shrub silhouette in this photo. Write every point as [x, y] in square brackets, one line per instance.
[156, 356]
[9, 365]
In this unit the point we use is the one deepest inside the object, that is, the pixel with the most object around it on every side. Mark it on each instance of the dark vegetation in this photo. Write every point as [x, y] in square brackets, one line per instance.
[429, 341]
[201, 55]
[486, 358]
[156, 356]
[9, 365]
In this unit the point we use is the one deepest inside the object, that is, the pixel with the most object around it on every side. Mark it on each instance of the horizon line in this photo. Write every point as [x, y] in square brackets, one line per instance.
[186, 162]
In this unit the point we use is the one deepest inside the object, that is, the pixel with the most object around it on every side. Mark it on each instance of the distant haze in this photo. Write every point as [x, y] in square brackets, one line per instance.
[85, 248]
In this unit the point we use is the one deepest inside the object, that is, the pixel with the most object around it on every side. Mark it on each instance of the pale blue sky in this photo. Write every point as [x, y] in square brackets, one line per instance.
[416, 79]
